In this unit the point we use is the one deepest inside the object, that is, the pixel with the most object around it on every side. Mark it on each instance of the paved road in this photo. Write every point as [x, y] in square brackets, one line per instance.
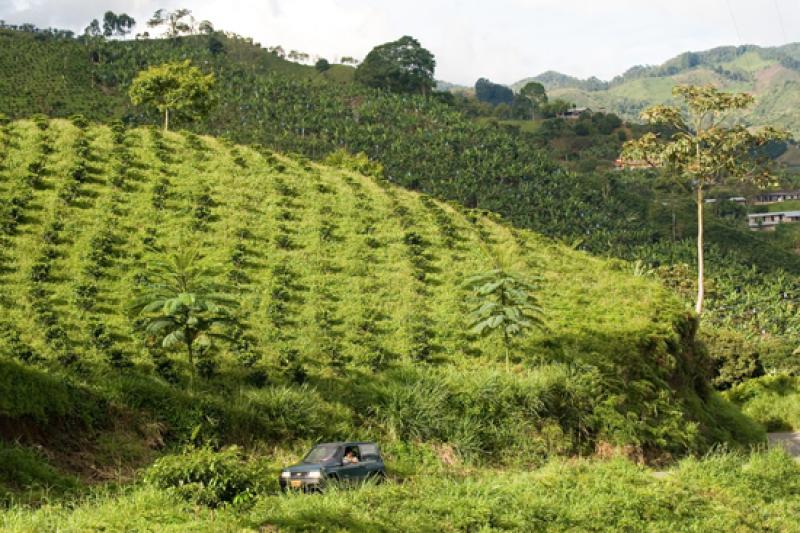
[790, 441]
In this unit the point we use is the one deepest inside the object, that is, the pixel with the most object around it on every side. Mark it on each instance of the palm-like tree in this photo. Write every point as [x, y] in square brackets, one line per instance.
[505, 302]
[182, 305]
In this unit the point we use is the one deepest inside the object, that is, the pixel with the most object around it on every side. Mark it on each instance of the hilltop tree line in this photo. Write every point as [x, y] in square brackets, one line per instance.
[173, 23]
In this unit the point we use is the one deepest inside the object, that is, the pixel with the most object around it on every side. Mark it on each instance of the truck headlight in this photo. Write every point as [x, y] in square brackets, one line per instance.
[316, 474]
[285, 474]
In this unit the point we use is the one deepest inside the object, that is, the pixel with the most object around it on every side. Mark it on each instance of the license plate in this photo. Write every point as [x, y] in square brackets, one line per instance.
[296, 483]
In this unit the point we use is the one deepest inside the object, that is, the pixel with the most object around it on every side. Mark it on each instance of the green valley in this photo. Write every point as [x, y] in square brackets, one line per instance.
[771, 74]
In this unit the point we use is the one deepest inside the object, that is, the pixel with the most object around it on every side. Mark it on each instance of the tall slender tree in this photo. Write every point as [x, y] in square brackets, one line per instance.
[93, 29]
[535, 93]
[702, 150]
[176, 22]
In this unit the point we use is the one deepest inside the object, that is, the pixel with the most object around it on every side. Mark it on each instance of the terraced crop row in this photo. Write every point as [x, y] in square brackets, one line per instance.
[332, 269]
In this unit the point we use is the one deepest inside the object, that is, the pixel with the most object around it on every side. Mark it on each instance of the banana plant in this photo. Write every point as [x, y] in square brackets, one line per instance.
[182, 306]
[503, 302]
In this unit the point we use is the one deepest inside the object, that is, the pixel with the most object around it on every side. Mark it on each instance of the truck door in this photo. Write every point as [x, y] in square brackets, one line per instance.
[352, 469]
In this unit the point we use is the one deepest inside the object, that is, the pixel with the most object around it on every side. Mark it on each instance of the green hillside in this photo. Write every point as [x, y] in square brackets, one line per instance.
[430, 145]
[422, 143]
[350, 325]
[771, 74]
[339, 277]
[60, 76]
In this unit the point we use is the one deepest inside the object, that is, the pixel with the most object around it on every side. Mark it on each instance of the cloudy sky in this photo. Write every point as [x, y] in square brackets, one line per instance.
[504, 40]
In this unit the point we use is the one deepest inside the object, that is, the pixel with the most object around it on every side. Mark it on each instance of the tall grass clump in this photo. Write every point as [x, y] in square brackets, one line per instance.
[772, 400]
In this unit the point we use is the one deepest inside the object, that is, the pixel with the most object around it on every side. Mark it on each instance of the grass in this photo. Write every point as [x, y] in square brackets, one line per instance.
[772, 400]
[721, 492]
[26, 476]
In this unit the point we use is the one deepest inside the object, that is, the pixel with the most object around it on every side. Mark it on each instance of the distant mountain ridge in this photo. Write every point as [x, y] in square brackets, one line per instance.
[772, 74]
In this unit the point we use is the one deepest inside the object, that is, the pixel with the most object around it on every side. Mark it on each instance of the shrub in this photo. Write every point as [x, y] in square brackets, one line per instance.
[69, 193]
[40, 271]
[207, 477]
[734, 357]
[774, 401]
[164, 367]
[79, 121]
[16, 346]
[118, 359]
[86, 295]
[159, 192]
[359, 162]
[52, 233]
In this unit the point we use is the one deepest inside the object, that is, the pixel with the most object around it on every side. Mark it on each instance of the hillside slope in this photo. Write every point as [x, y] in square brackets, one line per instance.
[61, 76]
[351, 306]
[771, 74]
[422, 143]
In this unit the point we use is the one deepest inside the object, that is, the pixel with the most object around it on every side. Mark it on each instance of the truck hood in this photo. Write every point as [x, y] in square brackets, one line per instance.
[305, 467]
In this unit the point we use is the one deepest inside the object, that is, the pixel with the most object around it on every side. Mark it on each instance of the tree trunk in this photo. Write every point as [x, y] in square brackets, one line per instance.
[191, 361]
[505, 344]
[700, 262]
[166, 119]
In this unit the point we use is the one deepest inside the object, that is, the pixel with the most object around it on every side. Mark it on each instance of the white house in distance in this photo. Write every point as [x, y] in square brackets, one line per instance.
[574, 113]
[741, 200]
[768, 221]
[775, 197]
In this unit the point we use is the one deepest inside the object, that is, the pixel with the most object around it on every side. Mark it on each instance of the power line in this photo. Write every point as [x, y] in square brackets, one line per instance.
[780, 21]
[733, 18]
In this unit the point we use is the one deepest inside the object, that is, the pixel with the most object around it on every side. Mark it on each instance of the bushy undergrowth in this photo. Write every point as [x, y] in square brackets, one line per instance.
[553, 409]
[721, 492]
[209, 477]
[772, 400]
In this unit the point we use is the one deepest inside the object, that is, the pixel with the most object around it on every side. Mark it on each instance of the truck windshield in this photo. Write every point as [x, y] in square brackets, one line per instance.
[321, 454]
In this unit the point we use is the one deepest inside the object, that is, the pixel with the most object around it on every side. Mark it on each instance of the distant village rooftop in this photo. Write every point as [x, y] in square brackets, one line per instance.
[574, 113]
[734, 199]
[768, 221]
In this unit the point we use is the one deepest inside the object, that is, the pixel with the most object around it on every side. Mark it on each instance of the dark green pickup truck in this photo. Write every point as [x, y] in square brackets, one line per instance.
[335, 461]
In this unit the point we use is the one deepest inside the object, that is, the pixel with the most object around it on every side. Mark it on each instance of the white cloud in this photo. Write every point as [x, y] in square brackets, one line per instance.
[504, 40]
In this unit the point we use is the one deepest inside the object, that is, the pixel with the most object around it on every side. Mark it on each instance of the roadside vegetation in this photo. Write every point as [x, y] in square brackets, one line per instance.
[724, 491]
[772, 400]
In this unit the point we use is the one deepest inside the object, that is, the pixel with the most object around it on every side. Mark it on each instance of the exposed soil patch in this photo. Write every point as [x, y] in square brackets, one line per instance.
[114, 452]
